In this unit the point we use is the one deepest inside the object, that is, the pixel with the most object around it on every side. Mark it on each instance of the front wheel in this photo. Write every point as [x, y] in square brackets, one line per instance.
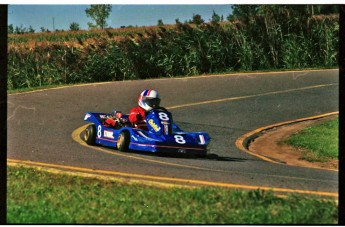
[123, 141]
[90, 134]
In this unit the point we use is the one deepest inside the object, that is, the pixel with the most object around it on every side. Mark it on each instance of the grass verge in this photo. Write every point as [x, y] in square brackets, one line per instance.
[35, 197]
[321, 141]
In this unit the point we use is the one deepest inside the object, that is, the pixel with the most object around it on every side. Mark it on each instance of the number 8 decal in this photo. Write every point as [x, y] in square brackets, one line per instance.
[99, 131]
[163, 116]
[179, 139]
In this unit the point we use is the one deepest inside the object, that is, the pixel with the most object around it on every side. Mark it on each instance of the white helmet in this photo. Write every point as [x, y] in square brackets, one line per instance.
[149, 99]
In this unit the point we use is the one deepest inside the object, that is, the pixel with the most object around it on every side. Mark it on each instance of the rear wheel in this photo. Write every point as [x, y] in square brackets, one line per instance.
[90, 134]
[123, 141]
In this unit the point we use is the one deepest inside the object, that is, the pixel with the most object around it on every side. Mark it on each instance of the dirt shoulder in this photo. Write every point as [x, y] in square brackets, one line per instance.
[269, 144]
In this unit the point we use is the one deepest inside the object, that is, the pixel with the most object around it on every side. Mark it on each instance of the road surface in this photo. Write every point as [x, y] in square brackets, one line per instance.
[42, 127]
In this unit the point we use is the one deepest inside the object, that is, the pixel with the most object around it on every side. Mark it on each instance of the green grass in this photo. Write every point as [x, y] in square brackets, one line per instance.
[35, 197]
[321, 140]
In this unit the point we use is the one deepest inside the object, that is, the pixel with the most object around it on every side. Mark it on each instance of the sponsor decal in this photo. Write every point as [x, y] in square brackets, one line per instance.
[108, 134]
[166, 129]
[87, 116]
[102, 116]
[154, 126]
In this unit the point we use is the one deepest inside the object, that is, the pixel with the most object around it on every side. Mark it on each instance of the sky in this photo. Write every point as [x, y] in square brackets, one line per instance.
[61, 16]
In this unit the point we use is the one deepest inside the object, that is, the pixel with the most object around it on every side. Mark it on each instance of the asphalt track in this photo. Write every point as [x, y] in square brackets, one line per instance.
[45, 128]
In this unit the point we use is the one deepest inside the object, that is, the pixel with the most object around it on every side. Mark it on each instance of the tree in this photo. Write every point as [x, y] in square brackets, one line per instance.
[322, 9]
[215, 17]
[329, 9]
[44, 29]
[74, 26]
[160, 22]
[10, 29]
[19, 30]
[244, 13]
[31, 30]
[99, 13]
[197, 19]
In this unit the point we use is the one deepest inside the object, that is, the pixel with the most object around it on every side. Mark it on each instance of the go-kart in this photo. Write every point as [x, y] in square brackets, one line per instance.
[160, 135]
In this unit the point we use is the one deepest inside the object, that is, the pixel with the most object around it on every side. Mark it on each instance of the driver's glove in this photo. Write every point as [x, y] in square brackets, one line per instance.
[139, 117]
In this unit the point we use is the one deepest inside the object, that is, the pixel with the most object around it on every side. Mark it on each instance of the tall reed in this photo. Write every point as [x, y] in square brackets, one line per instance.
[262, 44]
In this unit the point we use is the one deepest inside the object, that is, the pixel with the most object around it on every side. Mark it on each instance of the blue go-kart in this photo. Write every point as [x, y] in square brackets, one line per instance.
[160, 134]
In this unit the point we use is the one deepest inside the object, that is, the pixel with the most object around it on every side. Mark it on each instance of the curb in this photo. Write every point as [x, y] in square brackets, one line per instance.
[244, 141]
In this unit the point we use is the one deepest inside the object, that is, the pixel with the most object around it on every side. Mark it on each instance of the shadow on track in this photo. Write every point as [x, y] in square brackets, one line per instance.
[210, 156]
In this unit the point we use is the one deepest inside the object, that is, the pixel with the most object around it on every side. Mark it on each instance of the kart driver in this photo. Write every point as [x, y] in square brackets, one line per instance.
[148, 100]
[117, 120]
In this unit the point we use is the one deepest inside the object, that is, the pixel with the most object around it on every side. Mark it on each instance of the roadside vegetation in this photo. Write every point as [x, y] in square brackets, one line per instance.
[321, 141]
[256, 38]
[38, 197]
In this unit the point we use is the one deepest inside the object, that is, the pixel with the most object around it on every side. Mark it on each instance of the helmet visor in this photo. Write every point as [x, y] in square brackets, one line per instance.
[154, 103]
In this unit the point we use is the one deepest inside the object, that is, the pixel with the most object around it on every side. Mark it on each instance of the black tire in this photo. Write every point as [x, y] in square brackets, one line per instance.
[123, 141]
[90, 134]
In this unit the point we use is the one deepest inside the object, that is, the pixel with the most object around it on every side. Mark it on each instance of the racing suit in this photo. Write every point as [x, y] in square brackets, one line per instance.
[137, 117]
